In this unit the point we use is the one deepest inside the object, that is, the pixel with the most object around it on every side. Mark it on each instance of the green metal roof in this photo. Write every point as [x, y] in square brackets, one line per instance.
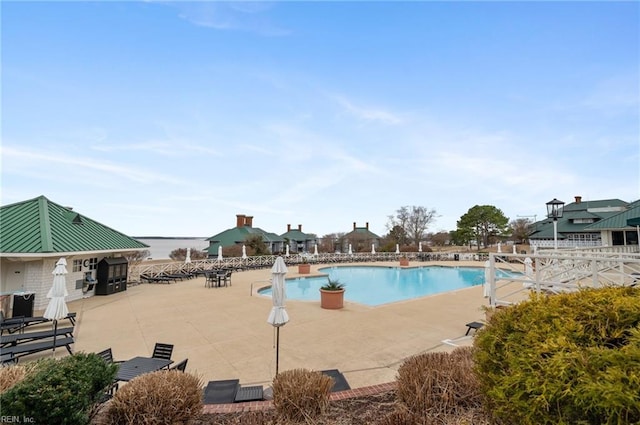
[297, 235]
[39, 226]
[618, 221]
[602, 210]
[238, 235]
[363, 233]
[604, 203]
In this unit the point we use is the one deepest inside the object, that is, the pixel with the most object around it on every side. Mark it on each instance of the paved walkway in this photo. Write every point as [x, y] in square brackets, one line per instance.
[224, 331]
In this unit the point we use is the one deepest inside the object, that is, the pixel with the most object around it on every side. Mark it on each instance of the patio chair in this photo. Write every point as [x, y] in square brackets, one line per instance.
[162, 351]
[107, 356]
[181, 366]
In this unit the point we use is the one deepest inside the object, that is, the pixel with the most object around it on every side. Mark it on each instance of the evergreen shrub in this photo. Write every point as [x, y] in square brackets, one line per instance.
[563, 359]
[59, 391]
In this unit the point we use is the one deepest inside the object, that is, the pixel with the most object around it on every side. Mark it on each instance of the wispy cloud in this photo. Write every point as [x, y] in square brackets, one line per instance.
[621, 92]
[368, 113]
[231, 16]
[56, 162]
[165, 148]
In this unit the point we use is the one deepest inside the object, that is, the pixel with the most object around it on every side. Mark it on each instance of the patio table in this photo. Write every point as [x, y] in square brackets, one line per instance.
[140, 365]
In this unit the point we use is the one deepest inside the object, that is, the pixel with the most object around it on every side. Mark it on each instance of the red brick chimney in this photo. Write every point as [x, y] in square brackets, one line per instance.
[367, 225]
[240, 220]
[288, 227]
[300, 227]
[248, 221]
[578, 199]
[354, 225]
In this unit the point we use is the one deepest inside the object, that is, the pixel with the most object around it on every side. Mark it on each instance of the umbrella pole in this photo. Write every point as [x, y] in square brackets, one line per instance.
[277, 348]
[55, 332]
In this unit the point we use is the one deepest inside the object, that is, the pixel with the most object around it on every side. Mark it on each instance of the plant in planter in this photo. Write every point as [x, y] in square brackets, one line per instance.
[404, 261]
[304, 267]
[332, 294]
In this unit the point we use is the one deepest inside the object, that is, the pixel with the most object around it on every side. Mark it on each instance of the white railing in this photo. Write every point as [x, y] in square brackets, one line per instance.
[560, 271]
[266, 261]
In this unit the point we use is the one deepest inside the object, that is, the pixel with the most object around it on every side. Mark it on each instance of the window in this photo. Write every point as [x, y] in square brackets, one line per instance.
[617, 238]
[93, 263]
[77, 265]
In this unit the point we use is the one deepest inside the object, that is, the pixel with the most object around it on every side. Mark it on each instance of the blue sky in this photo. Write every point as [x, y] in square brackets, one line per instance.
[169, 118]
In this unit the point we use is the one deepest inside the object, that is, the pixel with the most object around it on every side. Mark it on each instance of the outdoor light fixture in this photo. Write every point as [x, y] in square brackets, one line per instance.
[554, 211]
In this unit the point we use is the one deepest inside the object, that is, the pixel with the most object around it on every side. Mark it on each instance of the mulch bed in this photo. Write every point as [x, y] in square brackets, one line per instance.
[353, 411]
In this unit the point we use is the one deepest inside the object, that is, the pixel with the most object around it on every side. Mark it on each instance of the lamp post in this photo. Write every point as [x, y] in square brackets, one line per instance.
[554, 211]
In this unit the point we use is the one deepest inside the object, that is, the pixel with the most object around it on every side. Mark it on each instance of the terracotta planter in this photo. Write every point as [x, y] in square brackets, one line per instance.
[304, 268]
[332, 300]
[404, 262]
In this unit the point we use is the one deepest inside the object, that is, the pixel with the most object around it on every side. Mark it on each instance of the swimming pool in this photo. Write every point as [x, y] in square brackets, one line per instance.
[375, 286]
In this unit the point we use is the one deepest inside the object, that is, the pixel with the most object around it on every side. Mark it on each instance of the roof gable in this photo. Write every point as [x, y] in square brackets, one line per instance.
[618, 221]
[39, 226]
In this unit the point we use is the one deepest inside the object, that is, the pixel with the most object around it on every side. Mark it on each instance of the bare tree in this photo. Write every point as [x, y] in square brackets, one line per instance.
[414, 220]
[136, 257]
[520, 229]
[440, 238]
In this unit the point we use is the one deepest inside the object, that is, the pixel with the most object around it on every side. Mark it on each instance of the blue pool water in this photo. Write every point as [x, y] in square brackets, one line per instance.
[381, 285]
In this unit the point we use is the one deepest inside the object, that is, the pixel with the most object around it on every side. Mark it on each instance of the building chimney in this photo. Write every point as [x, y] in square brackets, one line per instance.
[288, 227]
[367, 225]
[300, 227]
[248, 221]
[578, 199]
[239, 220]
[354, 225]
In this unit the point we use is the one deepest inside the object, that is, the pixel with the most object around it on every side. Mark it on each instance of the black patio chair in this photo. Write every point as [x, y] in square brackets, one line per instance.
[181, 366]
[162, 351]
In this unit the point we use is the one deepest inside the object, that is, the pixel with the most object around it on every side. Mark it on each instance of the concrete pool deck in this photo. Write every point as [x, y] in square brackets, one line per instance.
[224, 331]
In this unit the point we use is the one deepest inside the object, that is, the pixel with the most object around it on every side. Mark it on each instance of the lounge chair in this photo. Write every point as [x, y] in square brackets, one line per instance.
[230, 391]
[157, 279]
[25, 349]
[24, 337]
[339, 381]
[19, 323]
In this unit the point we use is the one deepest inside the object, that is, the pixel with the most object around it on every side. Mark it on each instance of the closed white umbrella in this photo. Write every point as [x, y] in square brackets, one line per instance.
[373, 248]
[419, 246]
[514, 249]
[499, 247]
[244, 252]
[350, 252]
[315, 249]
[286, 253]
[220, 253]
[487, 277]
[278, 316]
[188, 257]
[57, 307]
[528, 272]
[397, 249]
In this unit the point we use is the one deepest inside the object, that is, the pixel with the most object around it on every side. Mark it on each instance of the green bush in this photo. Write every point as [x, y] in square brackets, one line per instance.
[163, 397]
[564, 359]
[301, 394]
[59, 391]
